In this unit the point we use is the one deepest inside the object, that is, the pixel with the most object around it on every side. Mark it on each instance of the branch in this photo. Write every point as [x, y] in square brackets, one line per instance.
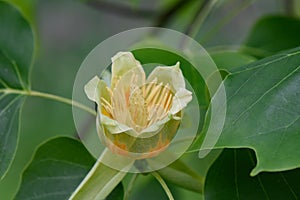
[165, 16]
[198, 14]
[121, 10]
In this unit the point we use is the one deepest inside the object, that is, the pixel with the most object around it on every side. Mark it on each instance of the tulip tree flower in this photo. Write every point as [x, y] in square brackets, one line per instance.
[138, 117]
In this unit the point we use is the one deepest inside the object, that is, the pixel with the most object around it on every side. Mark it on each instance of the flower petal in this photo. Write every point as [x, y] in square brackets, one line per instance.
[91, 89]
[180, 100]
[168, 75]
[122, 63]
[122, 96]
[113, 126]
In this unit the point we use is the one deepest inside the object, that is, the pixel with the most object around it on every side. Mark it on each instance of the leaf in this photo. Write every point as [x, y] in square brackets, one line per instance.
[180, 174]
[57, 168]
[27, 8]
[228, 178]
[263, 111]
[101, 179]
[228, 60]
[117, 193]
[16, 51]
[275, 33]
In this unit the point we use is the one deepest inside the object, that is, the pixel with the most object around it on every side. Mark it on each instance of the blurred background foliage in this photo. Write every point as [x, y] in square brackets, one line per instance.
[67, 30]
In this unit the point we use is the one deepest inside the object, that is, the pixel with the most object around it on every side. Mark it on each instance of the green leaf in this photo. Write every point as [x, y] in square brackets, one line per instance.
[117, 193]
[101, 180]
[16, 51]
[26, 7]
[228, 60]
[263, 111]
[180, 174]
[229, 178]
[275, 33]
[58, 166]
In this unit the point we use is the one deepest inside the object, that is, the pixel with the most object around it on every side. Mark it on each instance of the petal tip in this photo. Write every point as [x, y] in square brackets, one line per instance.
[121, 54]
[91, 88]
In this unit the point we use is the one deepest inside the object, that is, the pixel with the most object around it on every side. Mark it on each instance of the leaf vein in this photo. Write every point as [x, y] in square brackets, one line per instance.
[60, 161]
[258, 178]
[288, 185]
[268, 91]
[46, 195]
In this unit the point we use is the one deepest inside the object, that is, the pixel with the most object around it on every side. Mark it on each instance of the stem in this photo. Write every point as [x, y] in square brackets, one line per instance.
[197, 21]
[49, 96]
[202, 13]
[163, 184]
[225, 20]
[130, 186]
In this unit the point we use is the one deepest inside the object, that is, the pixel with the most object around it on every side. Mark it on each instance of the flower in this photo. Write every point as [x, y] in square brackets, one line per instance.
[138, 117]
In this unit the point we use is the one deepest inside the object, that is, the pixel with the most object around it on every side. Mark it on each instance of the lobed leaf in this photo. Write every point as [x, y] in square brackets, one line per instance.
[263, 111]
[16, 51]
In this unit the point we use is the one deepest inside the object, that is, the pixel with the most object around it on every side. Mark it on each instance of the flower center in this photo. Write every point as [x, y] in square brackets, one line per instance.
[139, 106]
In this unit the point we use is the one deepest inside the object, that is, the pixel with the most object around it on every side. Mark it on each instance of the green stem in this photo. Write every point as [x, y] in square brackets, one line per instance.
[130, 186]
[48, 96]
[200, 17]
[197, 21]
[225, 20]
[163, 184]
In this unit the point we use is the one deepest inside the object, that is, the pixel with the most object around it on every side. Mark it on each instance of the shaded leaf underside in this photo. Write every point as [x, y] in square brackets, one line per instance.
[228, 178]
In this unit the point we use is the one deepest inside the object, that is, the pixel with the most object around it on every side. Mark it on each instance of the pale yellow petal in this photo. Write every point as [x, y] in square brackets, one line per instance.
[168, 75]
[91, 90]
[122, 63]
[180, 100]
